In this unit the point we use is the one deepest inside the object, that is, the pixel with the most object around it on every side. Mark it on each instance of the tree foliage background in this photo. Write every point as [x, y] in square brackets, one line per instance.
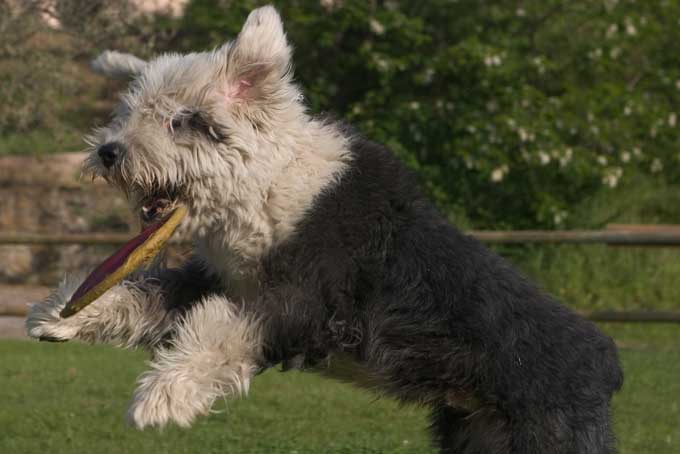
[514, 113]
[46, 89]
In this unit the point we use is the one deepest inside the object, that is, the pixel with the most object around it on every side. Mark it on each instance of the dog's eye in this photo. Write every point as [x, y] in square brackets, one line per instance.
[176, 123]
[196, 122]
[200, 123]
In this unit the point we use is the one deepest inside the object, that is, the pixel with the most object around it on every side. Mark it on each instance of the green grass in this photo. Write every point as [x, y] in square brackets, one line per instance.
[71, 398]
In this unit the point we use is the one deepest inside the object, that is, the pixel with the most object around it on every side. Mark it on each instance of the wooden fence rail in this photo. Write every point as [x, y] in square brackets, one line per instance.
[615, 235]
[608, 237]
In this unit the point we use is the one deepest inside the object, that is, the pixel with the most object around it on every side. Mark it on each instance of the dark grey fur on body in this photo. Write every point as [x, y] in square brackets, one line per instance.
[433, 317]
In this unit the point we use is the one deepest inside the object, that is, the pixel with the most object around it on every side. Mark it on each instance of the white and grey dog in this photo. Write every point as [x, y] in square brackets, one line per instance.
[313, 246]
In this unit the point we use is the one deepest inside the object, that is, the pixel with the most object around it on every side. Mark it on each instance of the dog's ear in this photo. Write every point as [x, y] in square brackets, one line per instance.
[259, 58]
[118, 65]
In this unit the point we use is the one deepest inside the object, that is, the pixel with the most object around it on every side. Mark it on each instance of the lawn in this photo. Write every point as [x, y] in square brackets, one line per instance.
[71, 398]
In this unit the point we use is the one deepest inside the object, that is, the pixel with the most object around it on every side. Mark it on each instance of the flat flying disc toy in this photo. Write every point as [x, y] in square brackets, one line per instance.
[133, 254]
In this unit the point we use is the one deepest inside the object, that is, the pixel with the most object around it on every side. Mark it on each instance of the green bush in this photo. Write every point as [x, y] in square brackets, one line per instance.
[512, 115]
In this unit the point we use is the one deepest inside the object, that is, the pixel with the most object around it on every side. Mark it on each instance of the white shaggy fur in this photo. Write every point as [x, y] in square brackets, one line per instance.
[246, 179]
[213, 354]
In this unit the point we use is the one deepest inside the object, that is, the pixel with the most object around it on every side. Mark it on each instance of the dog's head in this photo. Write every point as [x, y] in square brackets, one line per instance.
[203, 128]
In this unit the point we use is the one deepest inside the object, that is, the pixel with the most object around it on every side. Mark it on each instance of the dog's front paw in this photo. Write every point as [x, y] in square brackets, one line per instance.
[162, 399]
[43, 321]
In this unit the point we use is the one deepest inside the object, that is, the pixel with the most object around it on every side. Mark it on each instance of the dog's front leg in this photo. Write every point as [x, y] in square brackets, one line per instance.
[215, 351]
[128, 315]
[140, 312]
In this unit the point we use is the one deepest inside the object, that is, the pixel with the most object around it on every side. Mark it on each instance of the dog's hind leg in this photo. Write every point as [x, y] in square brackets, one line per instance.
[564, 431]
[214, 352]
[458, 431]
[489, 431]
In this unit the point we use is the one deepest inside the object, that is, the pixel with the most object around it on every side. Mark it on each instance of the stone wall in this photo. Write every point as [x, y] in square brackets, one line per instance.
[44, 194]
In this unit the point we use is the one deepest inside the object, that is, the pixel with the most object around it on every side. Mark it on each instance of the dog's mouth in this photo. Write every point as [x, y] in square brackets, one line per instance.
[158, 204]
[138, 251]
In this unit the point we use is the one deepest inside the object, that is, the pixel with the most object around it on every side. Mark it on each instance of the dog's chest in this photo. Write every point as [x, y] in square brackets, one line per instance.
[238, 275]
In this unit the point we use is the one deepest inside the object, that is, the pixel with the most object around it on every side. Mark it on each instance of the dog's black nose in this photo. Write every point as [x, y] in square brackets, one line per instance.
[109, 153]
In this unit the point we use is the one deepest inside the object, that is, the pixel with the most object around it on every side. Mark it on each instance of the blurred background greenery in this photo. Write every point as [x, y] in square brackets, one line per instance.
[517, 114]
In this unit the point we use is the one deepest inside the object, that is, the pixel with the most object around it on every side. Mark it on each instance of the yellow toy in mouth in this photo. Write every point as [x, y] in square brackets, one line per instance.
[133, 254]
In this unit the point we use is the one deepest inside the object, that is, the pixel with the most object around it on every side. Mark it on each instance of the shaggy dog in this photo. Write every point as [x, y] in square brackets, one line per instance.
[315, 249]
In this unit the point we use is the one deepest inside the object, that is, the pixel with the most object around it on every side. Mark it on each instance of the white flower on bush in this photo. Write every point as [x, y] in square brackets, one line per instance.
[559, 216]
[625, 156]
[612, 176]
[544, 157]
[657, 165]
[602, 160]
[627, 110]
[538, 62]
[672, 119]
[376, 27]
[499, 173]
[493, 60]
[524, 135]
[615, 53]
[637, 151]
[329, 5]
[595, 54]
[381, 63]
[566, 157]
[630, 27]
[428, 75]
[612, 30]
